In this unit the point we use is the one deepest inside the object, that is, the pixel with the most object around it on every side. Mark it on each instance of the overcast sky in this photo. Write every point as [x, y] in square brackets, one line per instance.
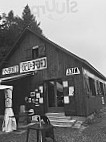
[77, 25]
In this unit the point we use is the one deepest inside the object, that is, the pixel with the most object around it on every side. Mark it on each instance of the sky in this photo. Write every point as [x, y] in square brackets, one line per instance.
[77, 25]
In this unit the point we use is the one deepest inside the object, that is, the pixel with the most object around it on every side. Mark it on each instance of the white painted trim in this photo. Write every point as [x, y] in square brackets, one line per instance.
[35, 47]
[89, 74]
[15, 77]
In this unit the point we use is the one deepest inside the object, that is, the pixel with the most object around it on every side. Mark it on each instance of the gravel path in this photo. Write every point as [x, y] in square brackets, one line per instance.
[95, 132]
[91, 134]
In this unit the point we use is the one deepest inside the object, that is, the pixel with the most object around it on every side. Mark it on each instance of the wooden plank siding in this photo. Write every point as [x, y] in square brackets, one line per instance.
[19, 55]
[58, 61]
[92, 103]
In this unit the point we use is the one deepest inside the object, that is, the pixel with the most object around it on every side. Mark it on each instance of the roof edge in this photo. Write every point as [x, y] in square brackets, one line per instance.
[54, 44]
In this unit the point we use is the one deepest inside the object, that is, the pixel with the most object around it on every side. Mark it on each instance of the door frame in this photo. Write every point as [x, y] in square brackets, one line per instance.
[70, 108]
[55, 108]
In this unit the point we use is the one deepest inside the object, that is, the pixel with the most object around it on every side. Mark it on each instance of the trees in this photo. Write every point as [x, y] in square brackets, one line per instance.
[12, 26]
[8, 32]
[27, 17]
[8, 29]
[28, 20]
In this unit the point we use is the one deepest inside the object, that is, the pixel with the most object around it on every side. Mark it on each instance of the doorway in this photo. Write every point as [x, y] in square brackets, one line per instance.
[55, 96]
[21, 87]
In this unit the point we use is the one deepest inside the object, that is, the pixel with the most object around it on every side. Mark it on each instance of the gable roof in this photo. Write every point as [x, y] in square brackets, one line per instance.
[54, 44]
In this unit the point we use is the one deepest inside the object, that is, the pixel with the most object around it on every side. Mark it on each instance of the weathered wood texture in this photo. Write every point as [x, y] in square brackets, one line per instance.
[57, 63]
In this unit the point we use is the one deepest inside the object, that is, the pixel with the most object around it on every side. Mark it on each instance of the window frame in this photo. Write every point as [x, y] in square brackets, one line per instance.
[37, 49]
[92, 86]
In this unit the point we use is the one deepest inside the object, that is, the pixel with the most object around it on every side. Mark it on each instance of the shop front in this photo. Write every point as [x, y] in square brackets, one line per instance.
[45, 77]
[21, 78]
[33, 92]
[41, 75]
[48, 96]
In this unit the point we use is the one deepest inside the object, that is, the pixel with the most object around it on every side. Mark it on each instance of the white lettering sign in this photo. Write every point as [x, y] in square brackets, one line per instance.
[72, 71]
[10, 70]
[33, 65]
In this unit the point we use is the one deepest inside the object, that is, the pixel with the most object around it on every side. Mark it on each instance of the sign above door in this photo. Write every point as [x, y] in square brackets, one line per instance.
[27, 66]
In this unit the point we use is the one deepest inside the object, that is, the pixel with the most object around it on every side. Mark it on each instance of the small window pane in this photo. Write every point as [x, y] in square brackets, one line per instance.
[35, 53]
[92, 86]
[102, 90]
[38, 51]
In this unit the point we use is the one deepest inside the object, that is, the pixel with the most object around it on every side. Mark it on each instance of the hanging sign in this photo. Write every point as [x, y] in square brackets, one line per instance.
[28, 66]
[10, 70]
[72, 71]
[33, 65]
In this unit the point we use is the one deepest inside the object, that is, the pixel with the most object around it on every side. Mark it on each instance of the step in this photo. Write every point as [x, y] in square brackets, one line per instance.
[55, 114]
[60, 117]
[63, 124]
[62, 121]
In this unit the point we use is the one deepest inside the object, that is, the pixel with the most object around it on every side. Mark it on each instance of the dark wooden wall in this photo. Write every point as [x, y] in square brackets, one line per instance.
[92, 103]
[57, 63]
[22, 48]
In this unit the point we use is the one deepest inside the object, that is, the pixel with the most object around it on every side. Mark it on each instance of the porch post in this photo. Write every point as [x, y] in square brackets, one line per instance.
[9, 122]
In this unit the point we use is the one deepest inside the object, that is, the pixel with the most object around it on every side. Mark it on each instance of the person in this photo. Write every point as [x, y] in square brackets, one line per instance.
[45, 121]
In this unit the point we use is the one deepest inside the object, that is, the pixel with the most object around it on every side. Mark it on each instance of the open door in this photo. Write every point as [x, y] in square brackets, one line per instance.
[55, 96]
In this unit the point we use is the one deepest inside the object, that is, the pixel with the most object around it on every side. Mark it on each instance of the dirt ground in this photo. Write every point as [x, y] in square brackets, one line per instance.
[91, 131]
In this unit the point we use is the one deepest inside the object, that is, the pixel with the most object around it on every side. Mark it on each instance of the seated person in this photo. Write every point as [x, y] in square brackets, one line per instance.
[45, 120]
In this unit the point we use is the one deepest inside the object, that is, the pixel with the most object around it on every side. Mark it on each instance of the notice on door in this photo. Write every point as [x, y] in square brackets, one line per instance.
[71, 91]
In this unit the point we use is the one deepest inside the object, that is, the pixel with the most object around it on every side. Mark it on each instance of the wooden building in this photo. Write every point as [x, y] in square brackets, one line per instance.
[49, 78]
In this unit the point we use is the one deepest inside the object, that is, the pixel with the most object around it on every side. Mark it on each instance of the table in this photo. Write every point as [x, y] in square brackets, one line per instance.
[43, 129]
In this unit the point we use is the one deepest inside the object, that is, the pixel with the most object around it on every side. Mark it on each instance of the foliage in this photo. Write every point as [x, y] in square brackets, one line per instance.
[12, 26]
[93, 118]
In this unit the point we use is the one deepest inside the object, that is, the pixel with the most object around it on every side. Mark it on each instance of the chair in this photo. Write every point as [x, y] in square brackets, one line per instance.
[44, 127]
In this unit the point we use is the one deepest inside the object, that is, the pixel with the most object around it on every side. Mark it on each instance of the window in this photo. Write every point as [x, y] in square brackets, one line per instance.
[87, 87]
[98, 87]
[38, 51]
[102, 90]
[35, 52]
[92, 86]
[105, 89]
